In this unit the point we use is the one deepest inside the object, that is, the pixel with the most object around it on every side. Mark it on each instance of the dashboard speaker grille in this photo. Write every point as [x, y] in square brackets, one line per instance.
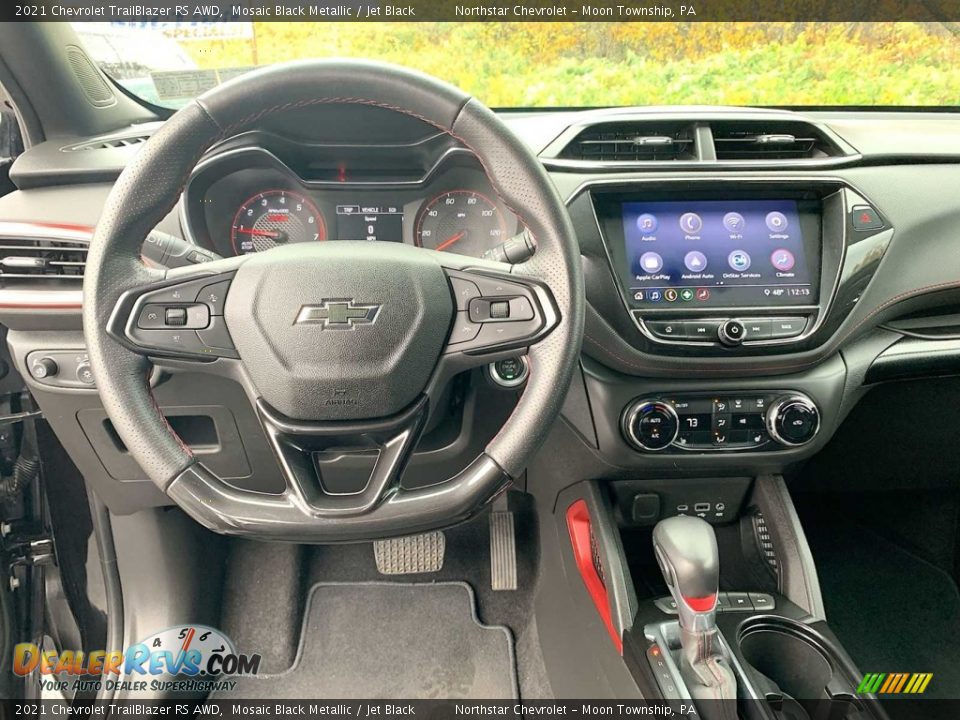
[94, 85]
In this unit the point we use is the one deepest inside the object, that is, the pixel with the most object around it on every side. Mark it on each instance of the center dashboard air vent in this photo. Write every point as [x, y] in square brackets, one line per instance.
[640, 141]
[695, 139]
[29, 260]
[771, 140]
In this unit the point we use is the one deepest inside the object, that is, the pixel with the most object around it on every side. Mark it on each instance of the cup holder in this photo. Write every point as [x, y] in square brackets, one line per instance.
[794, 662]
[786, 656]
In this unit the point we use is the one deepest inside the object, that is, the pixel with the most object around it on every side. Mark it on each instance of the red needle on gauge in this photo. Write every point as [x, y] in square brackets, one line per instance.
[264, 233]
[451, 240]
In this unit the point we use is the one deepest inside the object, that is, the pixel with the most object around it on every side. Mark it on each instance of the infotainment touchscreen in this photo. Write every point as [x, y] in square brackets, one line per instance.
[719, 253]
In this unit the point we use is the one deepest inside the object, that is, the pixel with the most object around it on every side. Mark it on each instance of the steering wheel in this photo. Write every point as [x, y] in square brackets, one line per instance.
[337, 344]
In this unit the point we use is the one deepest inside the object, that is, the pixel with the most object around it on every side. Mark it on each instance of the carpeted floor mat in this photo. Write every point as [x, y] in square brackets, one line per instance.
[392, 640]
[893, 611]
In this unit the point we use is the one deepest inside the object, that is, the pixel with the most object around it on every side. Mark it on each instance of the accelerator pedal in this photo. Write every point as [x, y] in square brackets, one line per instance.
[410, 554]
[503, 551]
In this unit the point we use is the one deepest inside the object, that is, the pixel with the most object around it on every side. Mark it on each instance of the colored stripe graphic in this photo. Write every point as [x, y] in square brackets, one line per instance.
[894, 683]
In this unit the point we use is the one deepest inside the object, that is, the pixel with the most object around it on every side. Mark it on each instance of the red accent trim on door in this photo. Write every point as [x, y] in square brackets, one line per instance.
[701, 604]
[578, 524]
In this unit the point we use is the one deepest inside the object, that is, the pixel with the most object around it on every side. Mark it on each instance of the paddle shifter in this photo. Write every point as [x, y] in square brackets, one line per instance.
[686, 550]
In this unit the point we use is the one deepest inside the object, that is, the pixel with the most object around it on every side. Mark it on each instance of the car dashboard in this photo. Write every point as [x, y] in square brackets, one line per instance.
[749, 275]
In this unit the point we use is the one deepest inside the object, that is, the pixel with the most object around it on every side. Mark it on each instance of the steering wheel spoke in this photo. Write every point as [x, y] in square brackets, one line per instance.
[180, 317]
[300, 445]
[497, 315]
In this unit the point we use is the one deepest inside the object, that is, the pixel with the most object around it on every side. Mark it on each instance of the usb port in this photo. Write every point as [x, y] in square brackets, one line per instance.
[701, 507]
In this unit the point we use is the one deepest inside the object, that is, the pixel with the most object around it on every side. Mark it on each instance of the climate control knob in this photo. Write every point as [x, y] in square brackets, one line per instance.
[650, 425]
[793, 420]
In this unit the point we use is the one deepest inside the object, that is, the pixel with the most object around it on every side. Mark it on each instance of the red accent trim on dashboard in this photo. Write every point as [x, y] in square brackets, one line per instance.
[701, 604]
[578, 524]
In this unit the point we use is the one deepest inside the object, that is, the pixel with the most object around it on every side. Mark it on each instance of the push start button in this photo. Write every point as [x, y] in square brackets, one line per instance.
[509, 372]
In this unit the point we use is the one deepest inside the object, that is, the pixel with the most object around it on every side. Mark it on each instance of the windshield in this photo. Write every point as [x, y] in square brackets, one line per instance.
[591, 64]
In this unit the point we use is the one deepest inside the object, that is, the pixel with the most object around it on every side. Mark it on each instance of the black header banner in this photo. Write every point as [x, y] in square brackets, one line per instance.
[168, 11]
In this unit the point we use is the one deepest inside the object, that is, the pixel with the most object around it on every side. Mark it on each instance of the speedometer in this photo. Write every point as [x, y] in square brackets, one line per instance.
[275, 217]
[460, 221]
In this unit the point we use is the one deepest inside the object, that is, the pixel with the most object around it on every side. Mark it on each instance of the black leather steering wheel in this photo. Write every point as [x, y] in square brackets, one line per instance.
[338, 344]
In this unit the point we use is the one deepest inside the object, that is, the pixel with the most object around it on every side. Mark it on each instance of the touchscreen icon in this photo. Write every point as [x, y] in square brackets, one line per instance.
[647, 223]
[690, 223]
[782, 260]
[670, 295]
[739, 260]
[695, 261]
[703, 294]
[651, 262]
[733, 221]
[776, 221]
[686, 294]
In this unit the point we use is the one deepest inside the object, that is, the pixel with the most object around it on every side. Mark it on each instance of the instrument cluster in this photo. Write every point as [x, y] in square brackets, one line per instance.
[250, 200]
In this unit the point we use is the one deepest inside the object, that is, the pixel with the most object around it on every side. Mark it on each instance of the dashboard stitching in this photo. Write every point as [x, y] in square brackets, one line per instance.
[880, 308]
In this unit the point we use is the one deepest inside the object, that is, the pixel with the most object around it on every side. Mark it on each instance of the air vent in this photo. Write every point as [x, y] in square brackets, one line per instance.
[634, 142]
[771, 140]
[106, 143]
[29, 260]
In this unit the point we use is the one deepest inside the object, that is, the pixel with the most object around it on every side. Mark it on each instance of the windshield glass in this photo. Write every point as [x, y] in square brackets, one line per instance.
[537, 64]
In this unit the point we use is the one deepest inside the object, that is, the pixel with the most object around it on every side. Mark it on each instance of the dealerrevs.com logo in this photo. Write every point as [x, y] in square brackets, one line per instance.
[185, 658]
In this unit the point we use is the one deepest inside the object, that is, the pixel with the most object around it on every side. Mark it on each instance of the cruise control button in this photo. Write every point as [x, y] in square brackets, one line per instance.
[464, 329]
[666, 328]
[787, 327]
[176, 341]
[152, 317]
[175, 316]
[214, 296]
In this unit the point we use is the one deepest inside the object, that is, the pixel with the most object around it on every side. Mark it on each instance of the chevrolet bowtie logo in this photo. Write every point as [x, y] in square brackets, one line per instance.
[337, 314]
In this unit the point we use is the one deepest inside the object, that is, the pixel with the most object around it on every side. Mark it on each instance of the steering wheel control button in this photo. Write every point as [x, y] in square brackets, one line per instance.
[650, 425]
[509, 372]
[175, 316]
[732, 332]
[793, 420]
[464, 329]
[864, 218]
[463, 291]
[214, 296]
[787, 327]
[44, 367]
[216, 335]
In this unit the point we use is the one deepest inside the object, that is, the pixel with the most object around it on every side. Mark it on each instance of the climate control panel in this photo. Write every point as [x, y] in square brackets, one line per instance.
[698, 423]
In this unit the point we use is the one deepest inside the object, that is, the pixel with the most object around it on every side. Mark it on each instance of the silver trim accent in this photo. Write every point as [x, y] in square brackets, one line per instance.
[503, 382]
[638, 406]
[780, 404]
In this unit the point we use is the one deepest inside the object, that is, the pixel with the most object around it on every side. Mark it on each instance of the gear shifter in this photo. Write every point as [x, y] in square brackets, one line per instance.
[686, 550]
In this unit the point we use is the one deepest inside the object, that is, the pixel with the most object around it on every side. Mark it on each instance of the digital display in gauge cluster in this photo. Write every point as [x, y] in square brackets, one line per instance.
[250, 202]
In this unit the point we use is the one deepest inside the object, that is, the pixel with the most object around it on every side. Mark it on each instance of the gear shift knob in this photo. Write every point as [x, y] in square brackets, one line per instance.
[686, 550]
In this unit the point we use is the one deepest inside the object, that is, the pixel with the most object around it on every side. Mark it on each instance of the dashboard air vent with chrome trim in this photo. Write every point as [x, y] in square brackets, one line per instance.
[640, 141]
[771, 140]
[39, 259]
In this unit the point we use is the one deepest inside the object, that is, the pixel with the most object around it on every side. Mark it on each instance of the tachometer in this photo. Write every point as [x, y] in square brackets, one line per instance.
[275, 217]
[460, 221]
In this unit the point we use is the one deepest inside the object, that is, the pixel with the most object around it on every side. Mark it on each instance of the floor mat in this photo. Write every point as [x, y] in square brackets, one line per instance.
[893, 611]
[393, 640]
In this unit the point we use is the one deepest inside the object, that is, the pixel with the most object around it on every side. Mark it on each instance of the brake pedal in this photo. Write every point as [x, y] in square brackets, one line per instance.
[503, 551]
[410, 554]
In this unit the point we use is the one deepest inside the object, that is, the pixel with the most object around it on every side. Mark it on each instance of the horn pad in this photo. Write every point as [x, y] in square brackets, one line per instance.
[340, 330]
